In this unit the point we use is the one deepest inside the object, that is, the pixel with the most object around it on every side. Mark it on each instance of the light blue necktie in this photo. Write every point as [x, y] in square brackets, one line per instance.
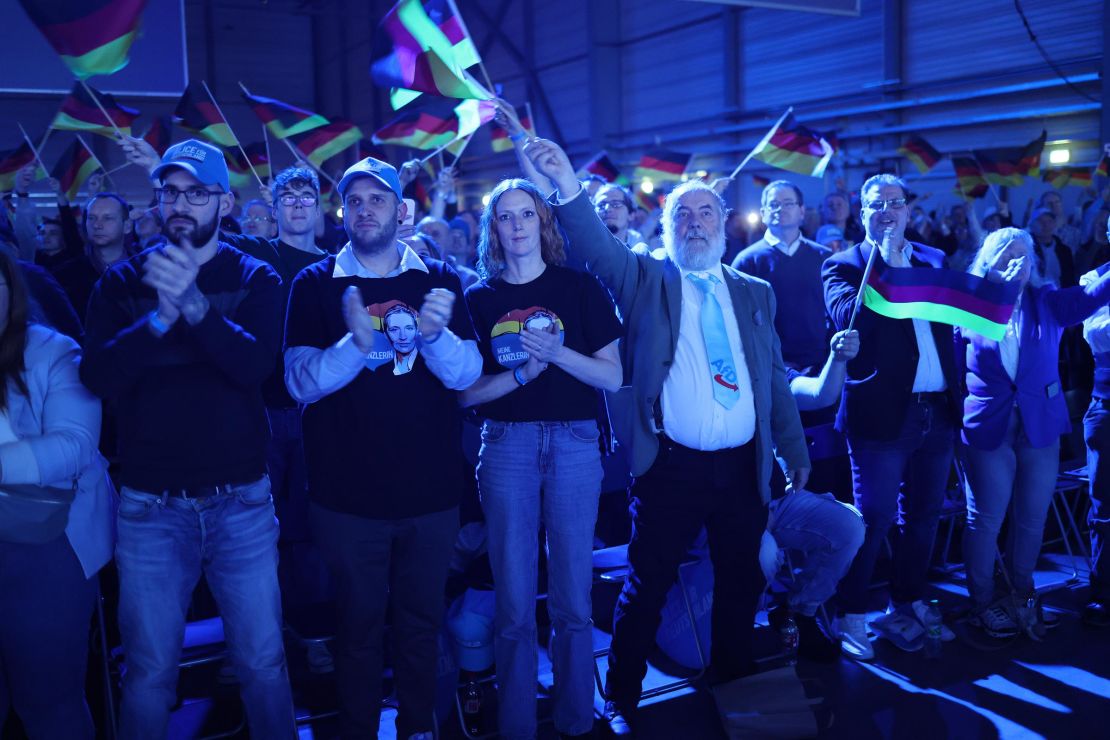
[722, 369]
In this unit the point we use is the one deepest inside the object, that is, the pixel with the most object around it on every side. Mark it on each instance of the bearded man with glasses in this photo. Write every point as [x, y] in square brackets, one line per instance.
[180, 339]
[900, 410]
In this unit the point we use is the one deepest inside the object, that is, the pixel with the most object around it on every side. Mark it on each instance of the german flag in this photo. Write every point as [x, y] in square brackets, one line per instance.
[1029, 161]
[601, 166]
[324, 142]
[1102, 170]
[91, 36]
[499, 137]
[196, 112]
[920, 152]
[74, 167]
[79, 112]
[791, 146]
[283, 119]
[11, 162]
[999, 167]
[661, 165]
[434, 123]
[1059, 177]
[970, 182]
[431, 51]
[238, 172]
[158, 135]
[648, 201]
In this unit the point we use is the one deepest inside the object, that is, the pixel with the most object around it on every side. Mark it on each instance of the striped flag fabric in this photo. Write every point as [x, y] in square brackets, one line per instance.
[662, 165]
[324, 142]
[282, 119]
[1029, 161]
[74, 168]
[599, 165]
[239, 174]
[11, 162]
[196, 112]
[92, 37]
[159, 134]
[920, 153]
[970, 181]
[999, 167]
[793, 147]
[79, 112]
[1102, 169]
[431, 51]
[1060, 177]
[434, 123]
[946, 296]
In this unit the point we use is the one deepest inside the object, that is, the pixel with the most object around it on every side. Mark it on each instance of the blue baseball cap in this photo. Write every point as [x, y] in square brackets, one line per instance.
[383, 172]
[200, 159]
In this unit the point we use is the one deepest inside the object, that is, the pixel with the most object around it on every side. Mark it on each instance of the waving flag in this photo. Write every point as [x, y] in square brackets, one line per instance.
[999, 166]
[283, 119]
[499, 137]
[79, 112]
[434, 123]
[158, 135]
[196, 112]
[74, 168]
[1029, 161]
[599, 165]
[970, 181]
[920, 152]
[324, 142]
[239, 172]
[947, 296]
[92, 37]
[791, 146]
[11, 162]
[662, 165]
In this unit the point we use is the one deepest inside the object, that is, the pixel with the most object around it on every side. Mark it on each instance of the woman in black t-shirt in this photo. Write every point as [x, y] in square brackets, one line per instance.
[548, 337]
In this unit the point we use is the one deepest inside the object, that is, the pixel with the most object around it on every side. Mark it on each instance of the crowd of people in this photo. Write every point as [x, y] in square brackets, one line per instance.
[187, 393]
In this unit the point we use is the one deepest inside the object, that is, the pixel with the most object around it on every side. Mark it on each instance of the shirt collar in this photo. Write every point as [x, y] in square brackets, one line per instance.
[775, 241]
[716, 271]
[347, 264]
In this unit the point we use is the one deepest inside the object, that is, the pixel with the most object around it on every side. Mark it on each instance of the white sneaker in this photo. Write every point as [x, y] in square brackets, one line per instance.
[919, 608]
[903, 631]
[852, 630]
[995, 621]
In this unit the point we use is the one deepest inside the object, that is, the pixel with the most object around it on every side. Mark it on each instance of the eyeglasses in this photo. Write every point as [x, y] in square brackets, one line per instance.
[605, 205]
[194, 196]
[893, 204]
[257, 219]
[292, 199]
[777, 205]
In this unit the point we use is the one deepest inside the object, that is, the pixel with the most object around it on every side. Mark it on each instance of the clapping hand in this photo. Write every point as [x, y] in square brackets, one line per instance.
[543, 344]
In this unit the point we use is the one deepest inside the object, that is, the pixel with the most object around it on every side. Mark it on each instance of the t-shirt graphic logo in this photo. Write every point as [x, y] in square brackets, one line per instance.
[396, 325]
[505, 337]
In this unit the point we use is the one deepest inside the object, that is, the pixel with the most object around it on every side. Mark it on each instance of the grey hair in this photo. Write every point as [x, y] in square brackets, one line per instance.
[884, 178]
[997, 241]
[670, 205]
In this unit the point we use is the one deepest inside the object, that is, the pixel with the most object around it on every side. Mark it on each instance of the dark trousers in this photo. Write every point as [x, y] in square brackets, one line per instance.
[46, 604]
[1096, 432]
[684, 491]
[901, 479]
[373, 561]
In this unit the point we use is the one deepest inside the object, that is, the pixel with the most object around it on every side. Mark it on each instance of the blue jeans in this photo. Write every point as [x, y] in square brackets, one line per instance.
[46, 604]
[902, 478]
[828, 532]
[164, 544]
[530, 472]
[1017, 471]
[1096, 432]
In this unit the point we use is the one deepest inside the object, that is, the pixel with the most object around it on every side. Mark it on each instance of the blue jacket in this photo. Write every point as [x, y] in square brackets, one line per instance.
[991, 395]
[57, 425]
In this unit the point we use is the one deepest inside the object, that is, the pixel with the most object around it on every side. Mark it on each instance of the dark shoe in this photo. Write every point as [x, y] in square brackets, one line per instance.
[813, 643]
[619, 720]
[1097, 614]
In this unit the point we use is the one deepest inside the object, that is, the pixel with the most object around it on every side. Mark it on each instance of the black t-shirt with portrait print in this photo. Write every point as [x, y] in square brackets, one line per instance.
[388, 444]
[572, 301]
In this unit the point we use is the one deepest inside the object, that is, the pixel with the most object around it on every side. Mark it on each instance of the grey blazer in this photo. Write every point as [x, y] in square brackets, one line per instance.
[57, 425]
[648, 294]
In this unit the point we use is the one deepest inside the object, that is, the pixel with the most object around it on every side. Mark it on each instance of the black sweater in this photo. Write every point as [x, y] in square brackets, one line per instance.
[189, 404]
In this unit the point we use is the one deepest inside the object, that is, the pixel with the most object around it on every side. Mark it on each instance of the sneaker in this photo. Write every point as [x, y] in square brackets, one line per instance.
[919, 608]
[852, 630]
[903, 631]
[995, 621]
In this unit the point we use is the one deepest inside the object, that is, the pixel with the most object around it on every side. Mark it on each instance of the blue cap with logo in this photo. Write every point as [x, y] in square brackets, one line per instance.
[383, 172]
[200, 159]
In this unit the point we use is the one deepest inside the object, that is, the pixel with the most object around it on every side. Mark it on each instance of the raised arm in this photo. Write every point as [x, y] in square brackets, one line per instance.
[817, 393]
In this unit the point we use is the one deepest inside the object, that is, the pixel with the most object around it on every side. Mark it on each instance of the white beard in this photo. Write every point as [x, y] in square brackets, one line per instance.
[695, 260]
